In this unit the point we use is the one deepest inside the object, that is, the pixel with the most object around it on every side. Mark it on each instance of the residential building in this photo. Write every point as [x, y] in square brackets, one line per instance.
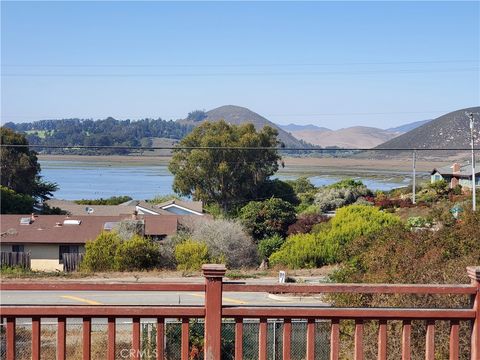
[456, 174]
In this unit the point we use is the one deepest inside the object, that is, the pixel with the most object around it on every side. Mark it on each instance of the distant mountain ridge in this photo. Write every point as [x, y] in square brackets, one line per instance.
[238, 115]
[448, 131]
[407, 127]
[294, 127]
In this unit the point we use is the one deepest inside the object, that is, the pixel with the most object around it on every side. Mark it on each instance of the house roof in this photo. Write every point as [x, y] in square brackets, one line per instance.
[100, 210]
[160, 225]
[465, 170]
[45, 230]
[190, 205]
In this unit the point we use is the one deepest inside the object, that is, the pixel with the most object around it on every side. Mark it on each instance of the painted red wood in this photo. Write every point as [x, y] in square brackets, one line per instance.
[335, 340]
[430, 341]
[382, 340]
[287, 339]
[135, 353]
[61, 338]
[347, 313]
[213, 310]
[87, 338]
[406, 340]
[36, 344]
[160, 339]
[454, 340]
[262, 339]
[358, 351]
[10, 338]
[75, 286]
[238, 339]
[111, 339]
[311, 339]
[185, 339]
[474, 275]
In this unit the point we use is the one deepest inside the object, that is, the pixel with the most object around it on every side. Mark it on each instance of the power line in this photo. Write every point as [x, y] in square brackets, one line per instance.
[249, 148]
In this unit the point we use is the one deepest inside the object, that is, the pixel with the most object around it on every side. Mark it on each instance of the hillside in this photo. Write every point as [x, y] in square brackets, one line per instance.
[351, 137]
[407, 127]
[237, 115]
[448, 131]
[295, 127]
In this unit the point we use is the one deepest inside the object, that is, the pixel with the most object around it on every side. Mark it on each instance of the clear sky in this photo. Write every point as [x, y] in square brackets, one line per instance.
[333, 64]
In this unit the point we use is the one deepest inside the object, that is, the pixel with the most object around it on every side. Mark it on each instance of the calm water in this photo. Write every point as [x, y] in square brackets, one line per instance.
[84, 180]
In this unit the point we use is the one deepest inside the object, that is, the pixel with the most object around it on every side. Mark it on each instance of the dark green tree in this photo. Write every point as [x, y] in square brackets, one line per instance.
[231, 173]
[20, 168]
[267, 218]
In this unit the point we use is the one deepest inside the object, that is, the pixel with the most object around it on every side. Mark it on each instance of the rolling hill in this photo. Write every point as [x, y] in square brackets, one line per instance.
[448, 131]
[237, 115]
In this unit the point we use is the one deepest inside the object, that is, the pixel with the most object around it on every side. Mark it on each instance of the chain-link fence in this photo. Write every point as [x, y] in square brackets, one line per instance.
[148, 335]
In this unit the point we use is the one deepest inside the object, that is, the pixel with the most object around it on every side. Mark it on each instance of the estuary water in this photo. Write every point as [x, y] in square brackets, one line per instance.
[88, 180]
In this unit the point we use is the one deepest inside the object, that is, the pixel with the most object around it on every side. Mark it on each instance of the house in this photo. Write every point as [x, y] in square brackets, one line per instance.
[173, 206]
[98, 210]
[48, 237]
[456, 174]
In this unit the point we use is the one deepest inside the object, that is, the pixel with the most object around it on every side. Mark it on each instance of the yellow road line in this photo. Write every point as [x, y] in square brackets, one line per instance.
[90, 302]
[226, 299]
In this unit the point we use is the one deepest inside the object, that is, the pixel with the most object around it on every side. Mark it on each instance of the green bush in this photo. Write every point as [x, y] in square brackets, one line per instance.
[13, 203]
[324, 245]
[191, 255]
[100, 253]
[267, 247]
[137, 253]
[114, 200]
[417, 221]
[301, 185]
[338, 195]
[267, 218]
[346, 184]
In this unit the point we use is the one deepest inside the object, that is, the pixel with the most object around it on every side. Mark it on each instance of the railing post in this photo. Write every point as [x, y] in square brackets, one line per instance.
[213, 274]
[474, 275]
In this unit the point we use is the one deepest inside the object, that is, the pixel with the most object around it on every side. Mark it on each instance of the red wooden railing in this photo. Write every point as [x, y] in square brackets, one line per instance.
[213, 311]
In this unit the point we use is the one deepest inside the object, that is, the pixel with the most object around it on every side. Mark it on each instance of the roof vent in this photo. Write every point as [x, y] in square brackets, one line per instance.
[72, 222]
[25, 221]
[110, 225]
[58, 224]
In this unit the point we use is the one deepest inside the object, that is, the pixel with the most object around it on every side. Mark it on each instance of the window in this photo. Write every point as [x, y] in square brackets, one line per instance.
[18, 248]
[66, 249]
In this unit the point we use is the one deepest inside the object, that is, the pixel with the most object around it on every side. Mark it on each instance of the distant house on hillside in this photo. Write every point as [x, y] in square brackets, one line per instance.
[48, 237]
[456, 174]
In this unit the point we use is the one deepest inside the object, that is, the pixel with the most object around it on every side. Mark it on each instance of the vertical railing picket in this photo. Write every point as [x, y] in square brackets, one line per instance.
[382, 340]
[135, 353]
[406, 340]
[287, 339]
[61, 338]
[111, 339]
[430, 341]
[454, 340]
[311, 339]
[358, 355]
[262, 339]
[335, 340]
[10, 338]
[160, 339]
[474, 275]
[36, 338]
[185, 355]
[87, 338]
[238, 339]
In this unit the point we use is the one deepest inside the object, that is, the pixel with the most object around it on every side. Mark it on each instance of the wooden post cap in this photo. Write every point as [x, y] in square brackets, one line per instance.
[474, 272]
[214, 270]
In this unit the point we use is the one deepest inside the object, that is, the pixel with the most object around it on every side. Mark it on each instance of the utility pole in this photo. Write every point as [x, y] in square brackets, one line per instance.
[414, 176]
[474, 184]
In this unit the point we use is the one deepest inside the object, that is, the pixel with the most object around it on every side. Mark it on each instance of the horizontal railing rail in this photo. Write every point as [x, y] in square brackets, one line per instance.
[213, 311]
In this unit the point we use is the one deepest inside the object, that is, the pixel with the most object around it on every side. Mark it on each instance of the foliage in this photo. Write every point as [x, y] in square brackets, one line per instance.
[20, 168]
[114, 200]
[397, 255]
[100, 253]
[229, 175]
[197, 115]
[300, 251]
[126, 229]
[324, 247]
[226, 240]
[279, 189]
[305, 223]
[441, 187]
[13, 203]
[267, 247]
[163, 198]
[346, 184]
[99, 133]
[334, 196]
[385, 202]
[267, 218]
[417, 221]
[301, 185]
[191, 255]
[137, 253]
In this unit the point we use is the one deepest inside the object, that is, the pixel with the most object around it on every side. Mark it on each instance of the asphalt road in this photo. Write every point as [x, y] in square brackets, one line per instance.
[145, 298]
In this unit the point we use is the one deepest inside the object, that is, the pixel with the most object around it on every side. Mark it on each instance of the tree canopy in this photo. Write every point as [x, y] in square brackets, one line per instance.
[20, 168]
[232, 173]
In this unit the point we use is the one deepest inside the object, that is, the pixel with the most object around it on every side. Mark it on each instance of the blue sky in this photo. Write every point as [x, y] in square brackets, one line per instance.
[334, 64]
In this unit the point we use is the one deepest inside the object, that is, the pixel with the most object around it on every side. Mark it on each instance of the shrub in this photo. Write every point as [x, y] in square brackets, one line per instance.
[114, 200]
[301, 185]
[305, 223]
[14, 203]
[299, 251]
[267, 247]
[417, 221]
[278, 189]
[226, 240]
[323, 247]
[333, 197]
[346, 184]
[191, 255]
[267, 218]
[100, 253]
[137, 253]
[441, 187]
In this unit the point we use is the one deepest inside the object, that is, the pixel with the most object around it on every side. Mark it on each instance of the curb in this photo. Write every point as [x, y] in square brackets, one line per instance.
[287, 298]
